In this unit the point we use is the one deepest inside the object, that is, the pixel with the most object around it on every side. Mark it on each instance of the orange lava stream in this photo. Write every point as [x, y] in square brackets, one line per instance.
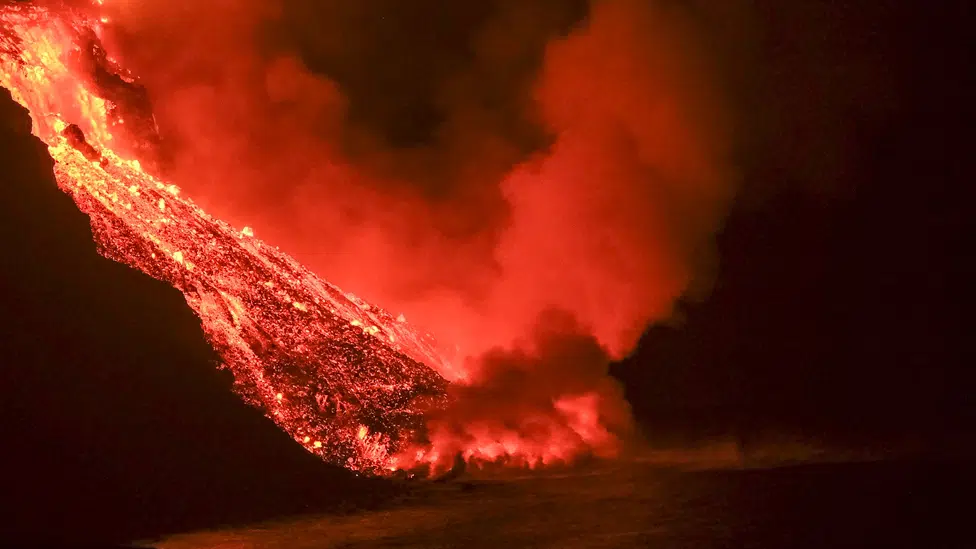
[348, 381]
[345, 379]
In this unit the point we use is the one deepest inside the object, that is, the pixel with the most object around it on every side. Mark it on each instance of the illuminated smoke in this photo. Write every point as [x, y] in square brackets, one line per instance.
[546, 401]
[471, 234]
[580, 205]
[610, 224]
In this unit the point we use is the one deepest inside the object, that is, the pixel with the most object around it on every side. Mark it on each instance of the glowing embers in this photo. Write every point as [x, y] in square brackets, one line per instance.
[343, 378]
[293, 347]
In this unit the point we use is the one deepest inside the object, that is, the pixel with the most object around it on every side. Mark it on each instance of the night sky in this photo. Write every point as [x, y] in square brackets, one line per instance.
[838, 303]
[834, 308]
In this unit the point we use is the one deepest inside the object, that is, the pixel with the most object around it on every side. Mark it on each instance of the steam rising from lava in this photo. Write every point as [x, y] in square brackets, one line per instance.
[539, 263]
[542, 402]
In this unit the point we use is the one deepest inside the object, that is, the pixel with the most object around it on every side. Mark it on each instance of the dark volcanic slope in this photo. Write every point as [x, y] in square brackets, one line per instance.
[116, 423]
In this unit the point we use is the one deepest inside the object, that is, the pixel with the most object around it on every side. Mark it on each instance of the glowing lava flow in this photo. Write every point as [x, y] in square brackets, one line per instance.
[345, 379]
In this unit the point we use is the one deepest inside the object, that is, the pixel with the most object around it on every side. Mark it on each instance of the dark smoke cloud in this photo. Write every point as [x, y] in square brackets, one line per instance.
[471, 166]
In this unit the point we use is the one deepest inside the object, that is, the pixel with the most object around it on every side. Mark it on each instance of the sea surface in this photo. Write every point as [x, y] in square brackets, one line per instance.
[883, 504]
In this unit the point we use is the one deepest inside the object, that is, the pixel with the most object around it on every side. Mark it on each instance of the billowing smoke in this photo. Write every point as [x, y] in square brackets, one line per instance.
[543, 401]
[555, 191]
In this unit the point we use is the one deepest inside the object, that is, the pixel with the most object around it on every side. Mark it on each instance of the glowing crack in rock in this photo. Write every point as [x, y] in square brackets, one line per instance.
[346, 380]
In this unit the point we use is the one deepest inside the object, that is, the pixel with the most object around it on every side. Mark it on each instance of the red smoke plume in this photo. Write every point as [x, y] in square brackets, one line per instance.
[470, 233]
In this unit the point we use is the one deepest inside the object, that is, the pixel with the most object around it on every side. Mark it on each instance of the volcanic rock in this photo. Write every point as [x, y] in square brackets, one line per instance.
[116, 423]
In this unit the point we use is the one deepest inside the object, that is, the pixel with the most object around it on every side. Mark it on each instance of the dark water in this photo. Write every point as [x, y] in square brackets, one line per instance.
[822, 506]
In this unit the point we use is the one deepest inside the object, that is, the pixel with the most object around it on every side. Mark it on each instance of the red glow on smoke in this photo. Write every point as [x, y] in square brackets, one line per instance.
[538, 267]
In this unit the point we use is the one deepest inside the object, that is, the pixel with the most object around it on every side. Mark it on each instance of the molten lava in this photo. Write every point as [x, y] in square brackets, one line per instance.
[346, 380]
